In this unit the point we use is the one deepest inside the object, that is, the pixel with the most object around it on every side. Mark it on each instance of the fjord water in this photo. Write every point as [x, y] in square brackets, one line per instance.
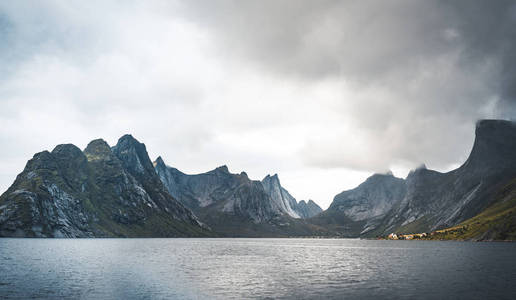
[255, 268]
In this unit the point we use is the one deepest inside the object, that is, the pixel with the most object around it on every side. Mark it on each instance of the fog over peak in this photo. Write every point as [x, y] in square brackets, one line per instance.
[322, 92]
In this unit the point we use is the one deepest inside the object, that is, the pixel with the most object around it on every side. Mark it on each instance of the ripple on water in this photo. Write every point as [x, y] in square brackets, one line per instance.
[255, 268]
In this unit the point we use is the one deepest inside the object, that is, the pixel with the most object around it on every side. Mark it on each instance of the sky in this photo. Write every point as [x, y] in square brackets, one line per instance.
[323, 93]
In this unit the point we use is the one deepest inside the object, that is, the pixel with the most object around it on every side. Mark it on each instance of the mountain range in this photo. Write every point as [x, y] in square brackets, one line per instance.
[105, 191]
[234, 205]
[428, 200]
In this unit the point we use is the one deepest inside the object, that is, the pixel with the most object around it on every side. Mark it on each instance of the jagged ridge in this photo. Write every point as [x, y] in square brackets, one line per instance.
[432, 200]
[233, 203]
[96, 193]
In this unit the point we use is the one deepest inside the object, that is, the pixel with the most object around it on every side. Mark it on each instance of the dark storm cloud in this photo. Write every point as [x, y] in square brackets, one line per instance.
[489, 30]
[427, 70]
[367, 41]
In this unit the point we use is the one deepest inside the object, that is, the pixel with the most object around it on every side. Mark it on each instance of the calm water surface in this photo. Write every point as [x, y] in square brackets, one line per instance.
[255, 268]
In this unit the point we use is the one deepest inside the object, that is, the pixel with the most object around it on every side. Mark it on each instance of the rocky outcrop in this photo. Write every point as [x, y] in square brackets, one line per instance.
[135, 159]
[361, 210]
[428, 200]
[371, 199]
[42, 201]
[286, 202]
[234, 204]
[279, 196]
[437, 200]
[96, 193]
[221, 188]
[307, 209]
[218, 190]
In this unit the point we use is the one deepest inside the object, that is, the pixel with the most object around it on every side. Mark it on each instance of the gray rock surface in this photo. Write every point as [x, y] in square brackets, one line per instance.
[307, 209]
[280, 196]
[221, 191]
[437, 200]
[428, 200]
[95, 193]
[118, 191]
[373, 198]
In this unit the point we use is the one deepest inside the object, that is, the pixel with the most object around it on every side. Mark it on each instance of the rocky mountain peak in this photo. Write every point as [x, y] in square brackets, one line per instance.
[133, 155]
[495, 144]
[272, 183]
[69, 157]
[274, 179]
[67, 193]
[421, 169]
[445, 199]
[41, 160]
[380, 178]
[222, 169]
[128, 138]
[97, 149]
[281, 197]
[159, 162]
[372, 198]
[45, 154]
[308, 209]
[67, 151]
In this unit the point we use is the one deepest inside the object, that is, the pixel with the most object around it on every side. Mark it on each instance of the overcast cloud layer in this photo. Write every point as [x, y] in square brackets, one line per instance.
[322, 92]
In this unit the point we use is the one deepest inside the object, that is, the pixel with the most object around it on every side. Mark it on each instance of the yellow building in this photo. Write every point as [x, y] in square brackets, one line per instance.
[392, 236]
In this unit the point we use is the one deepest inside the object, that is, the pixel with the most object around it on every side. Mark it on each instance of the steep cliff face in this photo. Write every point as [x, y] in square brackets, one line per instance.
[496, 222]
[43, 202]
[70, 193]
[136, 161]
[285, 202]
[103, 192]
[308, 209]
[233, 204]
[258, 200]
[428, 200]
[360, 210]
[218, 191]
[279, 196]
[373, 198]
[437, 200]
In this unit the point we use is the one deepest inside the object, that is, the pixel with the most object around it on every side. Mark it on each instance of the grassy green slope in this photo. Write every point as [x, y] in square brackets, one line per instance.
[497, 222]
